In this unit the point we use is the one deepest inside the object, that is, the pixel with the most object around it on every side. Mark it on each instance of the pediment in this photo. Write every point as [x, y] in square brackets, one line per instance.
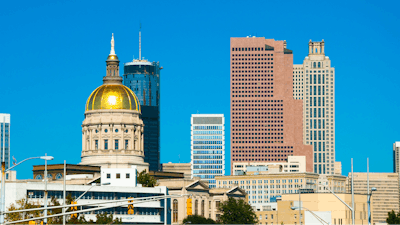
[197, 185]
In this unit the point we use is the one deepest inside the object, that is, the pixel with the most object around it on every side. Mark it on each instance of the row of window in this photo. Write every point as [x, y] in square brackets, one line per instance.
[251, 71]
[207, 132]
[207, 166]
[118, 176]
[105, 141]
[207, 127]
[207, 161]
[265, 147]
[207, 157]
[207, 147]
[207, 142]
[253, 49]
[208, 172]
[207, 137]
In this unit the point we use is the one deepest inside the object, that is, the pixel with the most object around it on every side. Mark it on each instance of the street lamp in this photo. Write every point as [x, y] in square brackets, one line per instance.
[369, 205]
[300, 201]
[3, 184]
[315, 215]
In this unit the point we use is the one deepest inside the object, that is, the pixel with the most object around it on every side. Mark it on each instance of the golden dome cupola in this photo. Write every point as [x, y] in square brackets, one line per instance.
[112, 94]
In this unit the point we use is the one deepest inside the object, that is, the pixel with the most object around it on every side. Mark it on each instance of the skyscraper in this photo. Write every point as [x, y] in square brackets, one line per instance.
[143, 78]
[208, 146]
[396, 152]
[5, 138]
[266, 122]
[314, 82]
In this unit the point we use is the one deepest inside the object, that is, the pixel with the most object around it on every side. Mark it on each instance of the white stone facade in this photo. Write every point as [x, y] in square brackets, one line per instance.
[113, 139]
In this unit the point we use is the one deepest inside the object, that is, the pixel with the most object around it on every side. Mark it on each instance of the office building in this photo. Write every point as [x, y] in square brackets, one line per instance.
[5, 138]
[143, 78]
[329, 208]
[207, 146]
[264, 188]
[396, 159]
[314, 83]
[112, 131]
[386, 196]
[266, 122]
[205, 201]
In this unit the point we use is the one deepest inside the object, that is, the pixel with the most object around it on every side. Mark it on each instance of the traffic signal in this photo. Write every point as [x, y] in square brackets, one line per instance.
[74, 208]
[130, 207]
[189, 206]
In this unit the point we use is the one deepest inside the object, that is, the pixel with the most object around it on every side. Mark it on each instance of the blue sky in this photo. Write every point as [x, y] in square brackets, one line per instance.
[54, 52]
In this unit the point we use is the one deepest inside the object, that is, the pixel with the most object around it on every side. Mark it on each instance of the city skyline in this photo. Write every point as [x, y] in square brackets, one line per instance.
[74, 56]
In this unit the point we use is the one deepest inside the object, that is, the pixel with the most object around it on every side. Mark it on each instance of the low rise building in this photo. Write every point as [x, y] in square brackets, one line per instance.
[267, 187]
[294, 164]
[184, 168]
[386, 196]
[327, 202]
[205, 201]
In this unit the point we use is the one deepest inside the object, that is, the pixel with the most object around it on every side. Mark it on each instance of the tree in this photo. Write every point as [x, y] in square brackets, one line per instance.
[393, 218]
[58, 219]
[19, 205]
[196, 219]
[104, 218]
[146, 180]
[237, 212]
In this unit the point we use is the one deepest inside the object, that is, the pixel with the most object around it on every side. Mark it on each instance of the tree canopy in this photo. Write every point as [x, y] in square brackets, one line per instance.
[237, 212]
[146, 180]
[196, 219]
[393, 218]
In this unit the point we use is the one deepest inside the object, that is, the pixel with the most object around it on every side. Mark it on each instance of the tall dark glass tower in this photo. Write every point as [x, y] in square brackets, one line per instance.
[143, 78]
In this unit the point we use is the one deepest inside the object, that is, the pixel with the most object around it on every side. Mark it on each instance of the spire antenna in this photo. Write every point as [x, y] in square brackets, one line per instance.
[112, 52]
[140, 42]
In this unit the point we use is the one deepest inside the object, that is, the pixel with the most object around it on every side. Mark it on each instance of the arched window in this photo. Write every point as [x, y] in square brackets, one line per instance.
[175, 211]
[319, 65]
[202, 208]
[59, 176]
[315, 65]
[196, 207]
[38, 177]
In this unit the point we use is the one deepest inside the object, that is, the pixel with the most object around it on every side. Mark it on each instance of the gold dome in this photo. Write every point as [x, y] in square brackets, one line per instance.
[112, 96]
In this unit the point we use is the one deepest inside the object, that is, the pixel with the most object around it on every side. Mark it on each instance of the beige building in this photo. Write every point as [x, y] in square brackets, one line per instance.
[384, 199]
[262, 189]
[294, 164]
[327, 202]
[281, 213]
[112, 132]
[205, 201]
[314, 82]
[184, 168]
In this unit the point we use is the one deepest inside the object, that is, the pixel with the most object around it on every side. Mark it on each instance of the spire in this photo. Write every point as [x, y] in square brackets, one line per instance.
[112, 71]
[140, 42]
[112, 52]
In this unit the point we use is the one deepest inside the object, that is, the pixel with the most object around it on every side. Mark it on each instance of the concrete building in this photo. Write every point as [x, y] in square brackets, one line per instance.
[266, 122]
[185, 168]
[207, 146]
[205, 201]
[112, 131]
[327, 202]
[264, 188]
[294, 164]
[396, 159]
[5, 126]
[314, 83]
[384, 199]
[143, 78]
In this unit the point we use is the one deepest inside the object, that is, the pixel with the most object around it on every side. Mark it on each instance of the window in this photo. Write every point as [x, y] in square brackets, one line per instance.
[105, 144]
[116, 144]
[196, 207]
[96, 144]
[108, 176]
[202, 208]
[128, 176]
[175, 211]
[126, 144]
[118, 175]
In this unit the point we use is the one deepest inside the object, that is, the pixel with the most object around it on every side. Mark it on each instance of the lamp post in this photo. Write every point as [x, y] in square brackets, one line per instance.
[3, 185]
[369, 205]
[300, 201]
[312, 213]
[351, 209]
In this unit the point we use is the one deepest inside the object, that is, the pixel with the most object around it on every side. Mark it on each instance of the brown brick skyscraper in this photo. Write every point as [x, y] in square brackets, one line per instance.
[266, 122]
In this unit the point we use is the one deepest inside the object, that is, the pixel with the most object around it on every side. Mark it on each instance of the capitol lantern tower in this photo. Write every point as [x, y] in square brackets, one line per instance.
[112, 132]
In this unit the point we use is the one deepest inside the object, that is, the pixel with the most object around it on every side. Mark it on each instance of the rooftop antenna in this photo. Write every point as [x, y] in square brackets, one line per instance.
[140, 42]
